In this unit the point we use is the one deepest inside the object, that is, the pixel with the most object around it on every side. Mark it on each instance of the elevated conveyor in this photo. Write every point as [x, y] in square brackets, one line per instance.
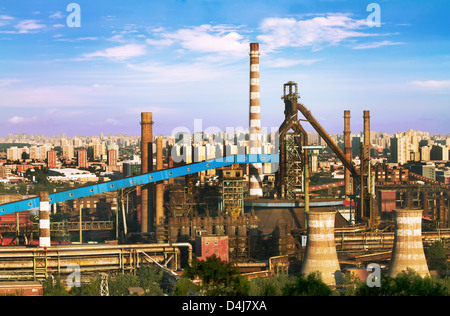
[156, 176]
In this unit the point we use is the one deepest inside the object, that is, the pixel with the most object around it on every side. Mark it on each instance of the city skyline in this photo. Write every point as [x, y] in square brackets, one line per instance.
[188, 60]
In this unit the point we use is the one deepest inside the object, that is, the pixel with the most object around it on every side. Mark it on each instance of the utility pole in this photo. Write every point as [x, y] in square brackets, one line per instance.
[81, 222]
[104, 289]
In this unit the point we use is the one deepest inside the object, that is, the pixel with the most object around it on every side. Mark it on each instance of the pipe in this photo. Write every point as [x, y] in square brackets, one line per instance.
[92, 250]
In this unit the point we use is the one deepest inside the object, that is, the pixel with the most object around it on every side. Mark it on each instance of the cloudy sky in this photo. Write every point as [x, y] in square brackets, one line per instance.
[187, 60]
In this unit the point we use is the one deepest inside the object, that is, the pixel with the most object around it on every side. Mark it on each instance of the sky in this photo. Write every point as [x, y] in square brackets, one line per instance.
[188, 61]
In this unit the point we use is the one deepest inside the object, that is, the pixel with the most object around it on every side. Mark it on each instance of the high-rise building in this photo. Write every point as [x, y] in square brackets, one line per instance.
[51, 159]
[425, 153]
[68, 151]
[427, 170]
[439, 152]
[112, 158]
[405, 147]
[82, 159]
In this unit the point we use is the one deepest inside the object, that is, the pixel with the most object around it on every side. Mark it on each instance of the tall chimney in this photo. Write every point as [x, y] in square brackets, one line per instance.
[408, 247]
[159, 217]
[348, 152]
[44, 220]
[367, 129]
[146, 167]
[320, 255]
[255, 122]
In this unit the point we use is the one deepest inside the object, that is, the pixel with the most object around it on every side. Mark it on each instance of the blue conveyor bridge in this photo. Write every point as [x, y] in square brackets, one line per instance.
[155, 176]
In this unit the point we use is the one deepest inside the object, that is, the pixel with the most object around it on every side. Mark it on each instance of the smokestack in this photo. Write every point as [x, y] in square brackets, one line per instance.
[255, 122]
[367, 129]
[348, 152]
[159, 191]
[320, 254]
[146, 167]
[44, 220]
[408, 247]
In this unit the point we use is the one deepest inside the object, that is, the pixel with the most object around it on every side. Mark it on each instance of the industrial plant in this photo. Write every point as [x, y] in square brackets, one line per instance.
[254, 208]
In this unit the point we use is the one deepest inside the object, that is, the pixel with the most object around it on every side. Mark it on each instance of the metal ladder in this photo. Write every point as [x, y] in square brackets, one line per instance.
[40, 265]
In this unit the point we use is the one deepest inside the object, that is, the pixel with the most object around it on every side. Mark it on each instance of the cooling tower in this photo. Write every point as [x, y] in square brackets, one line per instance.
[320, 255]
[408, 248]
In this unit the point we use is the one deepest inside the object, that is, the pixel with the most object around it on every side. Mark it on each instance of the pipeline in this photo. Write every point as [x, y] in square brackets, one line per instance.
[21, 261]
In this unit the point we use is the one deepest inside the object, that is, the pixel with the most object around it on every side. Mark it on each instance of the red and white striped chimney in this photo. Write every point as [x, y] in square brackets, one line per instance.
[255, 122]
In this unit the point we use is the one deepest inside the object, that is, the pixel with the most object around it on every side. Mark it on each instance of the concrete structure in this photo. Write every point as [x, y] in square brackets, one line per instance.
[408, 247]
[255, 122]
[320, 254]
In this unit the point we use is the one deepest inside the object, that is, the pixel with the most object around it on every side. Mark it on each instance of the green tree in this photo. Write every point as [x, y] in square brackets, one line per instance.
[437, 257]
[218, 278]
[272, 286]
[407, 283]
[150, 279]
[185, 287]
[311, 285]
[54, 288]
[119, 285]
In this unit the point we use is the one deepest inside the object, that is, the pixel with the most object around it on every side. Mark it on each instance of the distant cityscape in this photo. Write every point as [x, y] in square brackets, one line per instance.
[99, 158]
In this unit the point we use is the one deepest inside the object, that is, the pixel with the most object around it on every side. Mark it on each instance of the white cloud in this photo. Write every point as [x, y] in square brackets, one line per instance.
[5, 20]
[28, 26]
[377, 44]
[56, 15]
[286, 62]
[111, 121]
[54, 96]
[316, 32]
[183, 72]
[6, 17]
[7, 82]
[21, 119]
[220, 39]
[432, 84]
[118, 53]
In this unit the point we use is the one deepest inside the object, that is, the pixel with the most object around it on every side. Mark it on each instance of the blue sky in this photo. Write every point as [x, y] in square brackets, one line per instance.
[187, 60]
